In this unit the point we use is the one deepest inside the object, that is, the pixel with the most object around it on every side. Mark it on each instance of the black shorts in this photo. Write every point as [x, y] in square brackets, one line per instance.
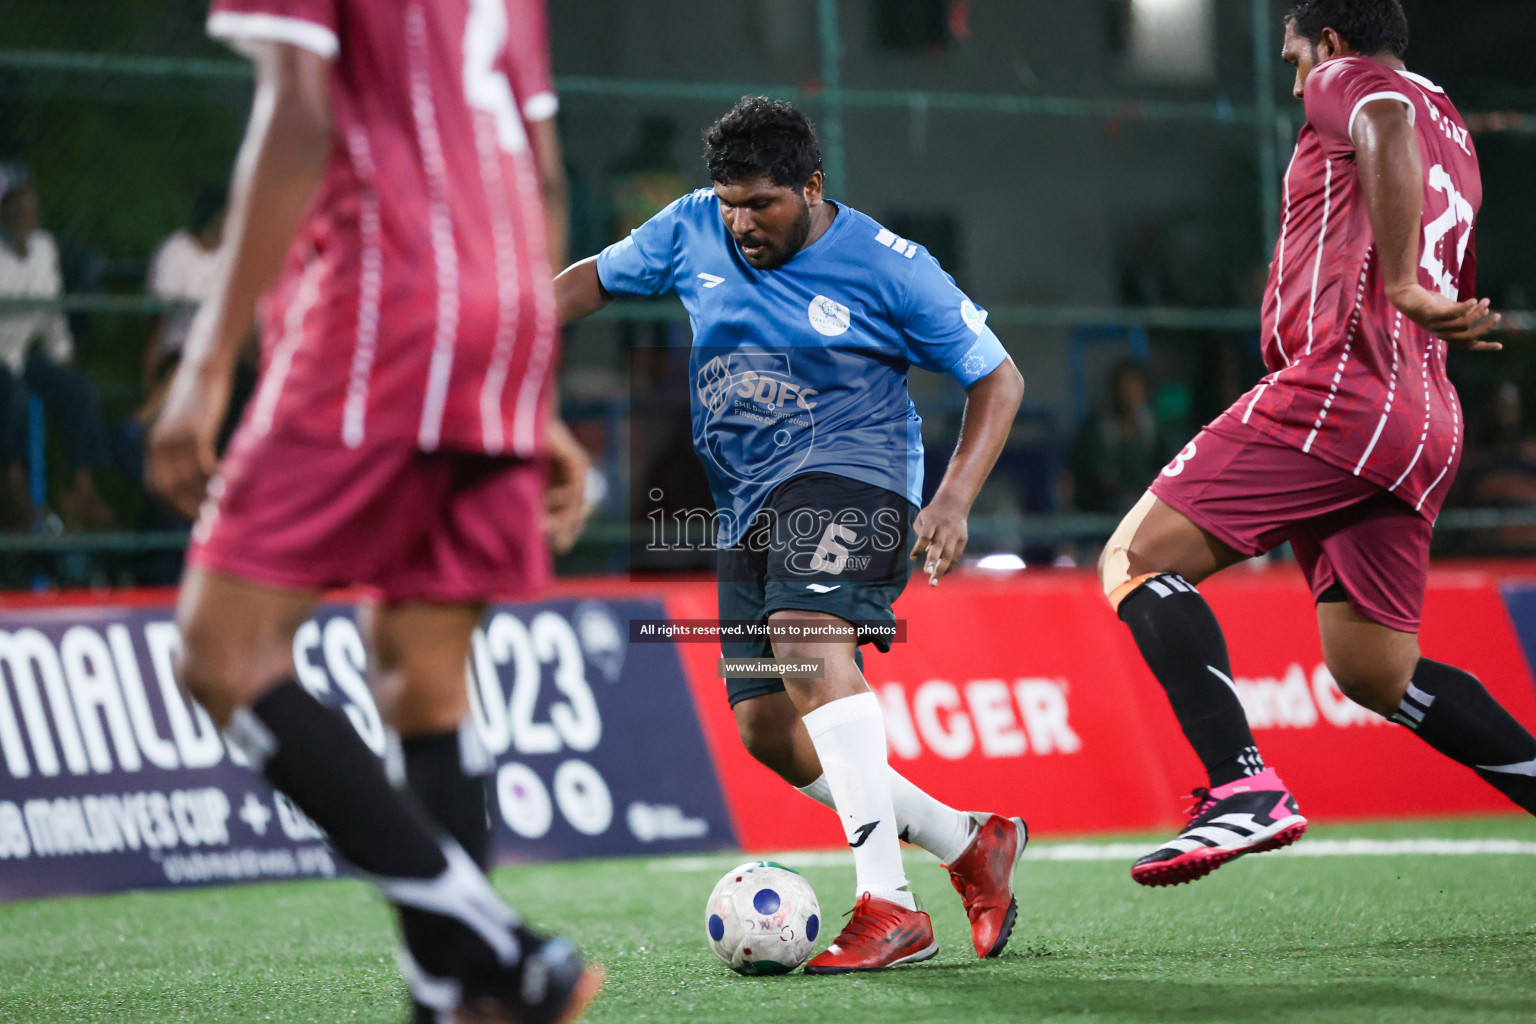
[823, 543]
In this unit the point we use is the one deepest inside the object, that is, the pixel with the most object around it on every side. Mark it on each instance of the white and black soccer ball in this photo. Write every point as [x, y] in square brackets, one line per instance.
[762, 918]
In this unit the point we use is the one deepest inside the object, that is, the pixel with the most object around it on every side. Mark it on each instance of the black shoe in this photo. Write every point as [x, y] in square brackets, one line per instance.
[549, 984]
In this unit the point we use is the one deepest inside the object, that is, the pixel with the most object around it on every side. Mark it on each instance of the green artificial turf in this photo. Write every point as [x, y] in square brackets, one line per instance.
[1266, 939]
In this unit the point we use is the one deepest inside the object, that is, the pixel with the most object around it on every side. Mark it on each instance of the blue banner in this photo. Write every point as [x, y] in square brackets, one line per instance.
[110, 778]
[1520, 599]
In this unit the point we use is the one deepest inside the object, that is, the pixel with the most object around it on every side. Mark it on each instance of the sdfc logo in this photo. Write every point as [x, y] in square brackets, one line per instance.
[758, 423]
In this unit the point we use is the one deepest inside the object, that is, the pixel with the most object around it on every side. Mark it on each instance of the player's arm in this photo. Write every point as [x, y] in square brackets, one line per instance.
[565, 491]
[1392, 183]
[566, 461]
[990, 406]
[548, 157]
[279, 167]
[579, 292]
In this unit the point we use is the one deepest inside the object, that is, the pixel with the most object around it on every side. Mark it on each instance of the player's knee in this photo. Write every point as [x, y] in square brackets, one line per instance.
[1375, 686]
[789, 647]
[1124, 558]
[765, 736]
[222, 673]
[203, 671]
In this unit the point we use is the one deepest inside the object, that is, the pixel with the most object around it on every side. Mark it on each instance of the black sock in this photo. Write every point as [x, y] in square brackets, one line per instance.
[1182, 643]
[439, 773]
[313, 754]
[454, 794]
[1452, 712]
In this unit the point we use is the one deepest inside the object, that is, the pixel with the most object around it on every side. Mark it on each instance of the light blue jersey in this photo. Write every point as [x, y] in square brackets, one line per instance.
[803, 369]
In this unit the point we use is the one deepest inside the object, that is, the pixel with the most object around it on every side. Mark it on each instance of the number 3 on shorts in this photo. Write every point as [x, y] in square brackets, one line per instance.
[1176, 467]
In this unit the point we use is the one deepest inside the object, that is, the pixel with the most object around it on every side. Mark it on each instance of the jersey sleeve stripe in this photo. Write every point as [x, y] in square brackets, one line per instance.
[541, 107]
[235, 27]
[1384, 95]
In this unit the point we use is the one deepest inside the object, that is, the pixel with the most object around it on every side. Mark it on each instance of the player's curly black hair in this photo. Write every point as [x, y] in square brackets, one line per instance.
[1370, 26]
[759, 138]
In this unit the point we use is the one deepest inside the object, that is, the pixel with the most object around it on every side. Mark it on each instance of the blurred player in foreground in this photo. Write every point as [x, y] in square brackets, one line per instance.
[398, 199]
[806, 316]
[1346, 449]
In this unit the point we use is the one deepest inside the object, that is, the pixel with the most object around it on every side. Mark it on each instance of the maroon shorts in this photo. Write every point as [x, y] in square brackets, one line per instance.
[1253, 494]
[439, 527]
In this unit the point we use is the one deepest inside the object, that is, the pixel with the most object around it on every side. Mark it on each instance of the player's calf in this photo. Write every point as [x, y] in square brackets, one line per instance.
[446, 773]
[236, 640]
[1454, 713]
[847, 731]
[1178, 635]
[1371, 663]
[770, 728]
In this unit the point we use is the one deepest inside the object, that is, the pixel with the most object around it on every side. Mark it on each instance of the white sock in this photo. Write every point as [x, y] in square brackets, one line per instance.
[925, 822]
[849, 737]
[920, 819]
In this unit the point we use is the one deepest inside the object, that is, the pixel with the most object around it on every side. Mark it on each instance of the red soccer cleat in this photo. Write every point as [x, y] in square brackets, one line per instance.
[983, 876]
[879, 934]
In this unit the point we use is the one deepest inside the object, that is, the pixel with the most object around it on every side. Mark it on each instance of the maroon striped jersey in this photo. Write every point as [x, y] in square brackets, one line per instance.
[1351, 380]
[415, 303]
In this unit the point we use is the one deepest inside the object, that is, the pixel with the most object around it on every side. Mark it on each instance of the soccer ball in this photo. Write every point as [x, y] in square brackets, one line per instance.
[762, 918]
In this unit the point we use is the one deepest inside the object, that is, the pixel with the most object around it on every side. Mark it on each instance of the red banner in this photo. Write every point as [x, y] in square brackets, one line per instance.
[1341, 760]
[1024, 695]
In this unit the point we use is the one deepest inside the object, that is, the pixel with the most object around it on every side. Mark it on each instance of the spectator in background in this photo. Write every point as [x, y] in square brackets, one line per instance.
[1118, 448]
[179, 274]
[35, 352]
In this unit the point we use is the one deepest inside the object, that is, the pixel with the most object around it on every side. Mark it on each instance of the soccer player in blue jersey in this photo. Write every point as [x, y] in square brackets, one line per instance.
[806, 315]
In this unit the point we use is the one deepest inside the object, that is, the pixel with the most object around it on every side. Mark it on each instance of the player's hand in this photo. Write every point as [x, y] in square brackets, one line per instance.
[942, 533]
[181, 457]
[565, 487]
[1466, 323]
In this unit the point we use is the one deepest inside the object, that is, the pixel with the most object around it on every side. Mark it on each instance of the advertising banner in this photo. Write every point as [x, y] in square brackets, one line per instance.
[111, 779]
[1020, 694]
[1025, 695]
[1010, 695]
[1342, 761]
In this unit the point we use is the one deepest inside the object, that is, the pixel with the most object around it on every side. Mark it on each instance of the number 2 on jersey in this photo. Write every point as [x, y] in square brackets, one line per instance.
[485, 86]
[1458, 213]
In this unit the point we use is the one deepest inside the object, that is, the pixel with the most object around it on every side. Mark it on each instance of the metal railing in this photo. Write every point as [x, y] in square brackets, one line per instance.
[831, 100]
[985, 531]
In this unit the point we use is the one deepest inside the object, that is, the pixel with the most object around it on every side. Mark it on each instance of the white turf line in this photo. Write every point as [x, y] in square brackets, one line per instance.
[1087, 852]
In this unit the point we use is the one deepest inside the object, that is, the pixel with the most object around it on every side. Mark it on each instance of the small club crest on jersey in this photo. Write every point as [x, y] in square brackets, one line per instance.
[829, 317]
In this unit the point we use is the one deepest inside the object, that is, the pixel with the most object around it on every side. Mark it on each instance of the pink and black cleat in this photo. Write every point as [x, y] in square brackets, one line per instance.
[1252, 815]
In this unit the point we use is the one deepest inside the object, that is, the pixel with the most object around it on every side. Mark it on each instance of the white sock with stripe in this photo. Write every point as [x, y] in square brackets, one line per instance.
[923, 821]
[849, 737]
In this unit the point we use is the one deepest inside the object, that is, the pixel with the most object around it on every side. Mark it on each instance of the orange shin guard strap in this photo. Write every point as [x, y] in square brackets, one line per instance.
[1125, 589]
